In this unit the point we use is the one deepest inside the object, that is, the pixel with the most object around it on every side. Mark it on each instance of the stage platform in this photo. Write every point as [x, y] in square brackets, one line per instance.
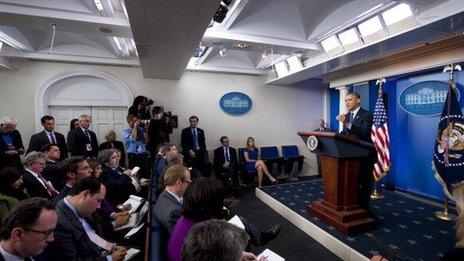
[403, 223]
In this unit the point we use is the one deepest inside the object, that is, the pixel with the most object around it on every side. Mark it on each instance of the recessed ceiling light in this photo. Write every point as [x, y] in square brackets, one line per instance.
[104, 30]
[240, 45]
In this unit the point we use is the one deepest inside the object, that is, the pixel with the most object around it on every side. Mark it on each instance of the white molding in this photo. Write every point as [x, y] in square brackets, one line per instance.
[44, 92]
[336, 246]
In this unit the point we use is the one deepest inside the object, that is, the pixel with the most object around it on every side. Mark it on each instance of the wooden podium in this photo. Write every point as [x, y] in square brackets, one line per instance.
[340, 159]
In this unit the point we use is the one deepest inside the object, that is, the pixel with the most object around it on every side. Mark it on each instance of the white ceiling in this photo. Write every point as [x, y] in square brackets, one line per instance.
[166, 33]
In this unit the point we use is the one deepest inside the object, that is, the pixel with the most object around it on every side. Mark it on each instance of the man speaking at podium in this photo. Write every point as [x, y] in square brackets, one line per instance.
[358, 123]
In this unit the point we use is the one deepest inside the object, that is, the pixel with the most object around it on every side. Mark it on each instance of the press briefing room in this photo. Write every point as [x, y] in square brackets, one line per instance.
[231, 130]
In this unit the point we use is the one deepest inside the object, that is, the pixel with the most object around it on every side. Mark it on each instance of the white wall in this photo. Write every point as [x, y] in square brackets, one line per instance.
[278, 112]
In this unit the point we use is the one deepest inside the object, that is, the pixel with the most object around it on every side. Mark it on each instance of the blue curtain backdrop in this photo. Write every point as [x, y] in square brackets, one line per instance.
[412, 137]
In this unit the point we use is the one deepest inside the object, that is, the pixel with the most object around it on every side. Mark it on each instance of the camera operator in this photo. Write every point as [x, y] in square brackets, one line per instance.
[159, 129]
[141, 107]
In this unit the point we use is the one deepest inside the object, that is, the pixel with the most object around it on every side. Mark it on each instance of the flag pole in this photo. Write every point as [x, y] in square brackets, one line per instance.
[445, 214]
[376, 194]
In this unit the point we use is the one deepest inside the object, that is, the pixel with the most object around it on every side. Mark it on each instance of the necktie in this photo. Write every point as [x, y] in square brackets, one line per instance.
[350, 119]
[227, 155]
[87, 134]
[52, 138]
[51, 191]
[195, 139]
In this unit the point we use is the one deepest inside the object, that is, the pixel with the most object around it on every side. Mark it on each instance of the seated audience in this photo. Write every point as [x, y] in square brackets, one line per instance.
[118, 182]
[77, 236]
[161, 161]
[253, 163]
[215, 240]
[225, 163]
[135, 139]
[167, 207]
[11, 184]
[48, 136]
[203, 200]
[76, 168]
[36, 185]
[112, 143]
[106, 206]
[27, 229]
[11, 144]
[52, 170]
[458, 252]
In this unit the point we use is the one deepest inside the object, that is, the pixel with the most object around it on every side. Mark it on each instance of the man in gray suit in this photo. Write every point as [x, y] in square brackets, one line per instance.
[167, 208]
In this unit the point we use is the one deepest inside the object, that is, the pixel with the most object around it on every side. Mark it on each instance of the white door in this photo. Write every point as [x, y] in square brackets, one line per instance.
[104, 119]
[64, 115]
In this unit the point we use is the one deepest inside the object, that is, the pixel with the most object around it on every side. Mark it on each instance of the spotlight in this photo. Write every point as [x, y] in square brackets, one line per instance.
[220, 13]
[226, 2]
[222, 52]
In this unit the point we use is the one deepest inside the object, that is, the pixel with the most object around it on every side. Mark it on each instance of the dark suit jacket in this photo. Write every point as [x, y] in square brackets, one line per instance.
[219, 158]
[167, 210]
[118, 186]
[40, 139]
[361, 125]
[6, 160]
[117, 145]
[71, 241]
[186, 140]
[77, 141]
[33, 187]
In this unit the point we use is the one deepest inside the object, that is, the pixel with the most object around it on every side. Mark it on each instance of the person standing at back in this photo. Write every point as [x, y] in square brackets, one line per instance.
[81, 140]
[48, 136]
[193, 144]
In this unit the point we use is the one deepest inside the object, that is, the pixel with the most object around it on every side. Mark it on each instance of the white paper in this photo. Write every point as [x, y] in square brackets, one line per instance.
[135, 202]
[135, 170]
[270, 256]
[135, 218]
[131, 252]
[235, 220]
[133, 231]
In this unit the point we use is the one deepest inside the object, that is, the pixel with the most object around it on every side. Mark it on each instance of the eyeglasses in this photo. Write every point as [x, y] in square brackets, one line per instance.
[46, 234]
[186, 181]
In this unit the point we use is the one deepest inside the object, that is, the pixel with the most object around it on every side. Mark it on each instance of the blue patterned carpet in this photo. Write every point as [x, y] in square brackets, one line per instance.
[403, 224]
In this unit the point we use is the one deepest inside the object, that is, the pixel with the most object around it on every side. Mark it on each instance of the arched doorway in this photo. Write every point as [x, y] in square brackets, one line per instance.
[99, 94]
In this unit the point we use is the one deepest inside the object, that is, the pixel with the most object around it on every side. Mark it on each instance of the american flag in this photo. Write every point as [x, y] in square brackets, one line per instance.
[381, 139]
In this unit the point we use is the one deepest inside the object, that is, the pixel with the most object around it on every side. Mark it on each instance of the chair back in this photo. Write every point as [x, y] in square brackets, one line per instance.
[269, 153]
[290, 151]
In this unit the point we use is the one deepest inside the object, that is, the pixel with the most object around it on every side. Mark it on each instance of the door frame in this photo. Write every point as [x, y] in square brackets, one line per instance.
[50, 86]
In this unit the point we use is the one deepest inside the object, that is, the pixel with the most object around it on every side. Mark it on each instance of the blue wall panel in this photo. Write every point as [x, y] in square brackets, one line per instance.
[412, 137]
[334, 109]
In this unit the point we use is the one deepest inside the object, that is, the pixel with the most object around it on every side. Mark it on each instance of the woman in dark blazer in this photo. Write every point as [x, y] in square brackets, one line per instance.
[112, 143]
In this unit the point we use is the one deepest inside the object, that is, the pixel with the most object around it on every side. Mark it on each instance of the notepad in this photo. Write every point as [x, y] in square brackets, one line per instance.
[133, 231]
[235, 220]
[135, 202]
[135, 218]
[131, 253]
[270, 256]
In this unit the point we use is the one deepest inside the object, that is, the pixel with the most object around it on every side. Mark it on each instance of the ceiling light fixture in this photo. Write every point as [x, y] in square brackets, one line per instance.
[118, 44]
[223, 52]
[264, 55]
[124, 9]
[104, 30]
[240, 45]
[221, 13]
[99, 5]
[396, 14]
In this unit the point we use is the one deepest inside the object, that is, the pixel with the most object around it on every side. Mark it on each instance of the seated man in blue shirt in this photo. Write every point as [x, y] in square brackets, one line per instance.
[77, 235]
[135, 139]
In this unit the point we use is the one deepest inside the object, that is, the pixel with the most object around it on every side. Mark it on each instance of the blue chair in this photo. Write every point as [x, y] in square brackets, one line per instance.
[271, 156]
[290, 155]
[247, 176]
